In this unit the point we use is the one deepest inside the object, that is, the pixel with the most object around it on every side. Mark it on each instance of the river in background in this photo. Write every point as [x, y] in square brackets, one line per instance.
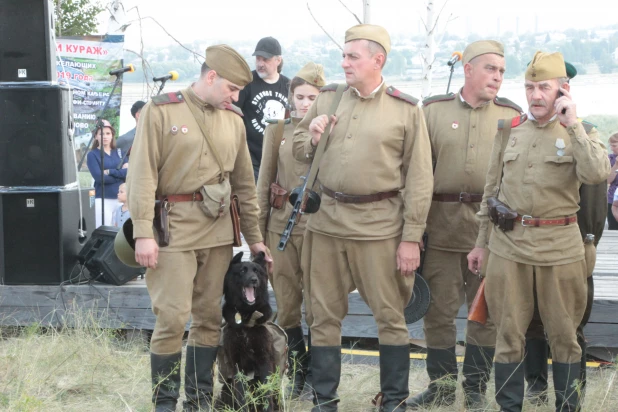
[594, 94]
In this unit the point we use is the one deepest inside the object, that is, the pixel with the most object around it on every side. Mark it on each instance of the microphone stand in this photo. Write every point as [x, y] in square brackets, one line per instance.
[100, 128]
[448, 86]
[161, 87]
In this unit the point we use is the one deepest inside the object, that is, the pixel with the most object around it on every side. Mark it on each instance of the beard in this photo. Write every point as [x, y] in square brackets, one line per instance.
[261, 74]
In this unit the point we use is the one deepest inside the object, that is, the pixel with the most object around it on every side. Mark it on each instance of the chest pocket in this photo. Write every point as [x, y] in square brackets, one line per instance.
[510, 157]
[558, 160]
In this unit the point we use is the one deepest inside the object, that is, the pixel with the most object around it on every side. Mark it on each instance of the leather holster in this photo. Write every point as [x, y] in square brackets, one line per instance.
[278, 196]
[161, 222]
[500, 214]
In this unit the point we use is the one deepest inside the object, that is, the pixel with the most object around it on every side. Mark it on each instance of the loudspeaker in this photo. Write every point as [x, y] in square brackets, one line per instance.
[39, 237]
[100, 259]
[27, 41]
[36, 148]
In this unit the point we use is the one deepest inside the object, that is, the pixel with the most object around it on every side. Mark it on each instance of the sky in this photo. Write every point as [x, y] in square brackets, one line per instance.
[289, 20]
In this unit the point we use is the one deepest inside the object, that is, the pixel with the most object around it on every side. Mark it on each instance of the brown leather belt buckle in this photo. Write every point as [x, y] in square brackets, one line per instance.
[339, 196]
[465, 197]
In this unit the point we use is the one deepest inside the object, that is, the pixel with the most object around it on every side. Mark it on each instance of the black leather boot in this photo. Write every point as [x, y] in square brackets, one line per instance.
[442, 371]
[165, 374]
[582, 367]
[326, 367]
[199, 378]
[476, 372]
[509, 386]
[566, 379]
[535, 370]
[394, 373]
[297, 361]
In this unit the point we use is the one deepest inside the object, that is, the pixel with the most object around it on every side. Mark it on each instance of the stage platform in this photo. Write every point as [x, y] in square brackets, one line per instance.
[128, 306]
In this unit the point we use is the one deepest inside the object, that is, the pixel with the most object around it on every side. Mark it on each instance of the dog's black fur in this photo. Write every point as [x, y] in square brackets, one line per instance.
[249, 348]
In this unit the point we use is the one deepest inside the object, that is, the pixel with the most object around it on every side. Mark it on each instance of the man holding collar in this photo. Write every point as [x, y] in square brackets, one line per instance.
[536, 251]
[376, 183]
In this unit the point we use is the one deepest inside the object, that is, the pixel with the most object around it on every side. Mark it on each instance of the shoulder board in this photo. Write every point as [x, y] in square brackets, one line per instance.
[275, 121]
[438, 98]
[515, 121]
[587, 125]
[501, 101]
[391, 91]
[234, 109]
[173, 97]
[329, 88]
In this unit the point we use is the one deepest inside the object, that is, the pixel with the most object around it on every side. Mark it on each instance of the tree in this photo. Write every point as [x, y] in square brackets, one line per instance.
[76, 17]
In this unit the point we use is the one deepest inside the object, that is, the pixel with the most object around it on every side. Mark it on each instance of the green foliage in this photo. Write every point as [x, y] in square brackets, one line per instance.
[605, 124]
[76, 17]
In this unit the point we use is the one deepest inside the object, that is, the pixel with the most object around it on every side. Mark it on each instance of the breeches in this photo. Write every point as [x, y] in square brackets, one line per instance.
[338, 266]
[451, 284]
[288, 282]
[183, 284]
[560, 291]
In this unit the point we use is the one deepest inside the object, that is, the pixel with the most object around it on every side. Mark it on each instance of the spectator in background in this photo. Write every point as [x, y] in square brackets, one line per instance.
[612, 179]
[125, 141]
[113, 175]
[121, 213]
[266, 97]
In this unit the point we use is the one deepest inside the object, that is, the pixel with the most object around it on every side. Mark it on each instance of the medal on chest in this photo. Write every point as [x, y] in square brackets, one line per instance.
[174, 130]
[455, 125]
[282, 141]
[560, 145]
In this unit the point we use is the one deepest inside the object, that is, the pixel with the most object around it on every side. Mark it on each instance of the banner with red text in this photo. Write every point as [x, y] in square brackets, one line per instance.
[84, 64]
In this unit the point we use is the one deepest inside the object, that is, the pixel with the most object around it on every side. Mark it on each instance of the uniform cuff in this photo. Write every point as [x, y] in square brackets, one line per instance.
[142, 228]
[482, 238]
[252, 235]
[412, 233]
[309, 149]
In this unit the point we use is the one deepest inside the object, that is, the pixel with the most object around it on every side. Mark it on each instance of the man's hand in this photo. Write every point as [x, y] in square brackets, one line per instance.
[261, 247]
[318, 125]
[147, 252]
[564, 102]
[125, 166]
[408, 257]
[475, 260]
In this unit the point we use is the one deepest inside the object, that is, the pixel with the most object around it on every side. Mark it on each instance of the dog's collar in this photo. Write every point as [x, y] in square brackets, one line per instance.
[254, 318]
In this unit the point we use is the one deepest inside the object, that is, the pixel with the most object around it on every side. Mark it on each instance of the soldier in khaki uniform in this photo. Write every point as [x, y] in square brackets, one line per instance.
[461, 128]
[536, 252]
[376, 182]
[288, 282]
[171, 161]
[591, 221]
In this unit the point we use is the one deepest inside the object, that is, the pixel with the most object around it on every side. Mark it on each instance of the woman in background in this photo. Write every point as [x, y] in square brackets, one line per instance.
[612, 179]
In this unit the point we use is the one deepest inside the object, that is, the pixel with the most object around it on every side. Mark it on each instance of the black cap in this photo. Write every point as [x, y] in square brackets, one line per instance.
[137, 106]
[267, 48]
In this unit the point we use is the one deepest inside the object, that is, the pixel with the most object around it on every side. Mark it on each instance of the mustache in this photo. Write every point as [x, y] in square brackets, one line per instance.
[538, 103]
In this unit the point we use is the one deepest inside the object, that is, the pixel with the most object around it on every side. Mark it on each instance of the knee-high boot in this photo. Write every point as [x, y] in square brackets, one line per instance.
[199, 378]
[165, 374]
[394, 373]
[476, 372]
[326, 369]
[442, 371]
[509, 386]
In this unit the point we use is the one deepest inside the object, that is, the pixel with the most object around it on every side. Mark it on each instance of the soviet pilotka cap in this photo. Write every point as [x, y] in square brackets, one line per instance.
[371, 32]
[313, 74]
[229, 64]
[478, 48]
[571, 71]
[546, 66]
[267, 48]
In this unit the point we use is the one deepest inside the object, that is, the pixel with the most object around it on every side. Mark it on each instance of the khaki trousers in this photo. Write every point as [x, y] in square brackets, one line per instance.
[338, 266]
[183, 284]
[288, 282]
[561, 300]
[451, 284]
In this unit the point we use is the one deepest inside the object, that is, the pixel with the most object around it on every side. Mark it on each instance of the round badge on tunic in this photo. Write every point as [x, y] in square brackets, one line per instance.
[419, 302]
[282, 141]
[455, 125]
[174, 129]
[184, 129]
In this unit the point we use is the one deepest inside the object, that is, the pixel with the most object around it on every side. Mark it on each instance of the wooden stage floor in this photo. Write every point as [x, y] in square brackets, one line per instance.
[128, 306]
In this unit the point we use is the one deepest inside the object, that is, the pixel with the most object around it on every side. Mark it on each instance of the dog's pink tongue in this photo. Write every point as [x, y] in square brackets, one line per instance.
[250, 294]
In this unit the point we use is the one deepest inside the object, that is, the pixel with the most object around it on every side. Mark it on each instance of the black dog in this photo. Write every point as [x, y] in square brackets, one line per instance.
[247, 344]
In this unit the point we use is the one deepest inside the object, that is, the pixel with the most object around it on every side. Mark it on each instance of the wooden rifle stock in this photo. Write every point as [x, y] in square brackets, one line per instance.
[478, 309]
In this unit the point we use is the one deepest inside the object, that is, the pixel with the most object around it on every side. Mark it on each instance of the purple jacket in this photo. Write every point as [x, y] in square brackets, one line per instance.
[614, 184]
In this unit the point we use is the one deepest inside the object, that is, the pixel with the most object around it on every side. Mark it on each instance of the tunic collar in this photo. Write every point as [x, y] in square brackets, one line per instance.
[195, 99]
[465, 103]
[372, 94]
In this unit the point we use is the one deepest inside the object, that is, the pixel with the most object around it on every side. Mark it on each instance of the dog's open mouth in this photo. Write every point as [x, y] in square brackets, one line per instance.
[249, 294]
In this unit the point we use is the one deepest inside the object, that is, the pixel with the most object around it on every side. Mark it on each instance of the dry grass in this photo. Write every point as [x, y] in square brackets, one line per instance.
[91, 369]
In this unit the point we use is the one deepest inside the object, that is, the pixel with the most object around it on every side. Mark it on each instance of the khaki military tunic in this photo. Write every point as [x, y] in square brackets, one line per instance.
[288, 282]
[170, 155]
[461, 139]
[379, 144]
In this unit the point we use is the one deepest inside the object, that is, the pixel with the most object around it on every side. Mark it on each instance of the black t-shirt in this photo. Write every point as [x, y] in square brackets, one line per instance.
[260, 101]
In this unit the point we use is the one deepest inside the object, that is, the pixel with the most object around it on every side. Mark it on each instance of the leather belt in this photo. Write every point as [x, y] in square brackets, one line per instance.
[343, 198]
[191, 197]
[463, 197]
[527, 220]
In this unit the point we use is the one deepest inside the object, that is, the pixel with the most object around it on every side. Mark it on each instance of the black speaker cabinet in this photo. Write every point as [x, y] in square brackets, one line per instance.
[27, 41]
[35, 146]
[100, 259]
[39, 235]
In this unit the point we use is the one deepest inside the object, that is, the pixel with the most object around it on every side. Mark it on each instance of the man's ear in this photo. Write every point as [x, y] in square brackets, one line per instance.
[566, 86]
